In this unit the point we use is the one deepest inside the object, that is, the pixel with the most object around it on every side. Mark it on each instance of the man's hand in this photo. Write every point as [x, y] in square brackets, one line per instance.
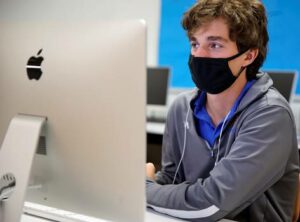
[150, 171]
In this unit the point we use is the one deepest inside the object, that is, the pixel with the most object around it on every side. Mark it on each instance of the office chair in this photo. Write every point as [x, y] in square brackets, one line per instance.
[296, 213]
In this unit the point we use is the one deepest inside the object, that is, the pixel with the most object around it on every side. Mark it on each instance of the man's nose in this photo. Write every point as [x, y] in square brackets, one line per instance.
[199, 52]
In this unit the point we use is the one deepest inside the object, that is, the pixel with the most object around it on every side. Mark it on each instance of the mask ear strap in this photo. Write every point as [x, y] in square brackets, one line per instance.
[241, 70]
[237, 55]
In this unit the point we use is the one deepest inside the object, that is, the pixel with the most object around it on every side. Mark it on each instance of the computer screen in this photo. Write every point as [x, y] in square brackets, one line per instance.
[88, 79]
[284, 82]
[157, 85]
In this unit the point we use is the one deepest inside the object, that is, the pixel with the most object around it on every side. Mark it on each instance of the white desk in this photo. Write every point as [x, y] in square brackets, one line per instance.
[155, 128]
[57, 215]
[66, 216]
[27, 218]
[150, 217]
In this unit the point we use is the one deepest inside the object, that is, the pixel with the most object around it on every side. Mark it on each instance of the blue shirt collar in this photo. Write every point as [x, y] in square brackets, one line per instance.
[204, 125]
[199, 104]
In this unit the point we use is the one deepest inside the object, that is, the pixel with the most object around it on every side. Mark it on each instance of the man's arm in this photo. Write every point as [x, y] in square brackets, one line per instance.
[257, 160]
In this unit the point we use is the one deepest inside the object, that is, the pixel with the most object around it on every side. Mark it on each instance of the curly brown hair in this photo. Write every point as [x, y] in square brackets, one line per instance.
[246, 20]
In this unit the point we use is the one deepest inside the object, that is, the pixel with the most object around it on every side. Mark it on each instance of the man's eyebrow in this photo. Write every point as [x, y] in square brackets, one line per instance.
[210, 38]
[192, 38]
[217, 38]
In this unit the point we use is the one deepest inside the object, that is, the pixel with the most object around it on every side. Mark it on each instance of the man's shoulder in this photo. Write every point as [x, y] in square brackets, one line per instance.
[184, 98]
[180, 106]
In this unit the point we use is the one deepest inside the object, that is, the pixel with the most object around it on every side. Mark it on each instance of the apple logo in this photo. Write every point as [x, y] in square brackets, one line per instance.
[34, 70]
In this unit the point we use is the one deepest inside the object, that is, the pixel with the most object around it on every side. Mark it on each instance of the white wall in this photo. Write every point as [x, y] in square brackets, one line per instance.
[73, 10]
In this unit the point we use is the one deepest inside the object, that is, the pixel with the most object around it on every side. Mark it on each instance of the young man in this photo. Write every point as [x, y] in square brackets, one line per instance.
[230, 147]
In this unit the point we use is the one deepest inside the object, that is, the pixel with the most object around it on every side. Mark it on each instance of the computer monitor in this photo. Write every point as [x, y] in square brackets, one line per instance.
[284, 82]
[157, 85]
[92, 91]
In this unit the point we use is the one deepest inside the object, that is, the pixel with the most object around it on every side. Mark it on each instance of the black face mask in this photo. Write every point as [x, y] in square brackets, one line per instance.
[213, 75]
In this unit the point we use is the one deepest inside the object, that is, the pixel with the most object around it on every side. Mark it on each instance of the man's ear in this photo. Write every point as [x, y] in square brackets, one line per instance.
[250, 56]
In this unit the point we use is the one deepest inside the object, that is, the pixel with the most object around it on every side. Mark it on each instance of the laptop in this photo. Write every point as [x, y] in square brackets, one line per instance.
[157, 85]
[157, 92]
[284, 82]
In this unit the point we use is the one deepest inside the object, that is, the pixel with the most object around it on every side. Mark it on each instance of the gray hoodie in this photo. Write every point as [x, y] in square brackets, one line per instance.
[252, 173]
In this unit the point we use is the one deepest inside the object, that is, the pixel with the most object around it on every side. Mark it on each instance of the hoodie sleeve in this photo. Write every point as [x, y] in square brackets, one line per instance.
[169, 159]
[256, 161]
[171, 152]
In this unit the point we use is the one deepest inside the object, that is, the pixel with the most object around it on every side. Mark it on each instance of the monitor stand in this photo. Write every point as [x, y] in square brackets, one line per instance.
[16, 157]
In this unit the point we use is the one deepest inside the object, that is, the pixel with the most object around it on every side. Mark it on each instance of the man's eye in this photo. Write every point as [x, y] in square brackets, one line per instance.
[194, 45]
[215, 45]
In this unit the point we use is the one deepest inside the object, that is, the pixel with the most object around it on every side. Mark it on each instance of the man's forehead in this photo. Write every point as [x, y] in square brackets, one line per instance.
[210, 38]
[213, 30]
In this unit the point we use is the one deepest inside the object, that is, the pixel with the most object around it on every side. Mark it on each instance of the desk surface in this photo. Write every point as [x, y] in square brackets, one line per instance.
[150, 217]
[44, 212]
[155, 128]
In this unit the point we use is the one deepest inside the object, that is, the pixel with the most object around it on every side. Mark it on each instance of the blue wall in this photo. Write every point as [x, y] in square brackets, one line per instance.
[284, 45]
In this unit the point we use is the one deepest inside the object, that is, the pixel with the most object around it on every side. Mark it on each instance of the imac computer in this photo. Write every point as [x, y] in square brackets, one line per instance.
[77, 92]
[284, 82]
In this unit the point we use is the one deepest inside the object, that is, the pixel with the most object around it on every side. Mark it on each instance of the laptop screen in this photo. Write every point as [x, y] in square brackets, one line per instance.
[157, 85]
[284, 82]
